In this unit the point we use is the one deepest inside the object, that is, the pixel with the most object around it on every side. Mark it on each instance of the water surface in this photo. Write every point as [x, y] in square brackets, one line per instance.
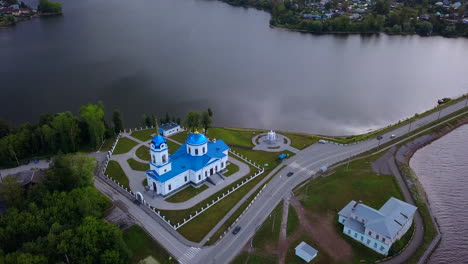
[442, 168]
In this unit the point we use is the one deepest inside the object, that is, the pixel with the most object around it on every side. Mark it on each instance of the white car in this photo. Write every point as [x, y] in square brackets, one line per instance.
[321, 141]
[392, 136]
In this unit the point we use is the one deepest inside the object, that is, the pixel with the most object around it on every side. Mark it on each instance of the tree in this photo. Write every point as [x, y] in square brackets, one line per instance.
[69, 172]
[178, 120]
[192, 121]
[66, 127]
[167, 119]
[12, 192]
[93, 116]
[46, 6]
[210, 112]
[382, 7]
[424, 28]
[5, 128]
[117, 120]
[206, 120]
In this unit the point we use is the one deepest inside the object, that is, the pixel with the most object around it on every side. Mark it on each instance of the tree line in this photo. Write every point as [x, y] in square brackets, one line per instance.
[54, 133]
[59, 220]
[195, 120]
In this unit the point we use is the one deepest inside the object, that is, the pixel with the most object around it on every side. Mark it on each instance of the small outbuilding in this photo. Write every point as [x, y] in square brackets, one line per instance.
[306, 252]
[169, 129]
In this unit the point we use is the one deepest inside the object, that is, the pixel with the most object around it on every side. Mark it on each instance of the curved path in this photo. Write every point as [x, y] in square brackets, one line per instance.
[304, 163]
[136, 179]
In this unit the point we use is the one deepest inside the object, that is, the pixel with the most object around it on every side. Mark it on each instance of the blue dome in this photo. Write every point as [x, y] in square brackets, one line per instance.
[158, 140]
[196, 139]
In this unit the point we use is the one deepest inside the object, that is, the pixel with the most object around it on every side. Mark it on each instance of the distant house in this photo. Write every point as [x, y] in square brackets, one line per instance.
[311, 16]
[424, 17]
[456, 5]
[377, 230]
[169, 129]
[306, 252]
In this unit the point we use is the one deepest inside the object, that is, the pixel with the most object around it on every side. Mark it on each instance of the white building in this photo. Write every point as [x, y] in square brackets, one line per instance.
[168, 129]
[193, 162]
[377, 230]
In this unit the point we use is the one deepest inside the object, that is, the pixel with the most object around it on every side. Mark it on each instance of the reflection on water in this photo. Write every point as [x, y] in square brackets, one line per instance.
[442, 168]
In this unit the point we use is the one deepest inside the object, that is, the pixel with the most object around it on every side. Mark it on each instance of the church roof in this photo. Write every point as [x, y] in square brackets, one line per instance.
[158, 140]
[182, 161]
[196, 139]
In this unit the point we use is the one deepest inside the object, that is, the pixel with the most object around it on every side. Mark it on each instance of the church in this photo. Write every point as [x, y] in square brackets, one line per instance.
[193, 162]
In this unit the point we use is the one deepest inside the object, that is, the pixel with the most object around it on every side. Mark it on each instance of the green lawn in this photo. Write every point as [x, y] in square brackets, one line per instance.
[136, 165]
[231, 169]
[142, 245]
[173, 147]
[144, 135]
[293, 221]
[180, 137]
[115, 171]
[300, 141]
[143, 153]
[268, 233]
[262, 157]
[145, 182]
[185, 194]
[240, 137]
[124, 145]
[322, 257]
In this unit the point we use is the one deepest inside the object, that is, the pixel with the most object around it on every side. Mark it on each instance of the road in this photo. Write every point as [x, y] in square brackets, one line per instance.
[304, 164]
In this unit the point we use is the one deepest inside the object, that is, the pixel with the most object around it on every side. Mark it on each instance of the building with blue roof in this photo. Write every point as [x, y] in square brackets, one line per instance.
[193, 162]
[168, 129]
[377, 229]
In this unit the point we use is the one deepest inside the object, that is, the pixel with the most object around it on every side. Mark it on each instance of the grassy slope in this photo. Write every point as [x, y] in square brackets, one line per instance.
[300, 141]
[115, 171]
[142, 245]
[124, 145]
[185, 194]
[136, 165]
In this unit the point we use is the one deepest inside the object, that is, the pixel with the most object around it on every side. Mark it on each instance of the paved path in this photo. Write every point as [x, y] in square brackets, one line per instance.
[386, 165]
[42, 164]
[277, 147]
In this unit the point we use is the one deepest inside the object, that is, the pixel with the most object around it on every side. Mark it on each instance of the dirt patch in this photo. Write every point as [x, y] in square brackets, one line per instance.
[322, 231]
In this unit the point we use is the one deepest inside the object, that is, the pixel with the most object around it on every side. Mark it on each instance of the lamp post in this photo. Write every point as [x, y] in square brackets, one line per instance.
[439, 113]
[410, 126]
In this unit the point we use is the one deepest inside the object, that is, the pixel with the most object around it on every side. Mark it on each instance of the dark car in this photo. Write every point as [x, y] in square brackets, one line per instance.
[290, 174]
[379, 137]
[236, 230]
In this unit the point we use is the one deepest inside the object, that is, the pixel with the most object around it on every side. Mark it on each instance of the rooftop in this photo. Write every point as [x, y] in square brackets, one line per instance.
[196, 139]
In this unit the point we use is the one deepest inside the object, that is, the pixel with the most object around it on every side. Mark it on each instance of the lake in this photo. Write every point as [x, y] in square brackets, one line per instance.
[158, 56]
[442, 169]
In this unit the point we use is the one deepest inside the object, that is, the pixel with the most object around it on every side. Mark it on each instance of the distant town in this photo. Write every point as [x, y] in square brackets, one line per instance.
[12, 12]
[423, 17]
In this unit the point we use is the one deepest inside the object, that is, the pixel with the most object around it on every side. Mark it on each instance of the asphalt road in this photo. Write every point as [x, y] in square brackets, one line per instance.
[304, 164]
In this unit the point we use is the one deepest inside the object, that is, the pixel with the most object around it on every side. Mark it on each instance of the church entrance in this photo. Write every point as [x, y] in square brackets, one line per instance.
[211, 171]
[154, 187]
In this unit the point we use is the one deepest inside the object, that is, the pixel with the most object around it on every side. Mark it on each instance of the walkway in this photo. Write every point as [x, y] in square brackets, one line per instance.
[282, 143]
[386, 165]
[136, 179]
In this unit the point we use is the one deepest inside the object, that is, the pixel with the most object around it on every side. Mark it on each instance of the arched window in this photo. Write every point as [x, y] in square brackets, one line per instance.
[204, 150]
[164, 158]
[222, 164]
[196, 151]
[189, 150]
[216, 168]
[154, 159]
[206, 173]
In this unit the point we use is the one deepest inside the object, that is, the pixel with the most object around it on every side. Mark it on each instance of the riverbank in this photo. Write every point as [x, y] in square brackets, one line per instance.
[27, 18]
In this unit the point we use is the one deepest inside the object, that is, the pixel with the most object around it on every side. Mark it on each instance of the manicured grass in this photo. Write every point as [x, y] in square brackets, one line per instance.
[144, 135]
[300, 141]
[115, 171]
[238, 212]
[142, 245]
[263, 157]
[231, 169]
[173, 147]
[180, 137]
[293, 221]
[145, 182]
[322, 257]
[359, 182]
[107, 145]
[268, 233]
[253, 258]
[124, 145]
[185, 194]
[136, 165]
[239, 137]
[143, 153]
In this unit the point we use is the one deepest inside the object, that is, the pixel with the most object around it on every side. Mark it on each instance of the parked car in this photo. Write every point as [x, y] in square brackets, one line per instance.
[321, 141]
[392, 136]
[379, 137]
[290, 174]
[236, 230]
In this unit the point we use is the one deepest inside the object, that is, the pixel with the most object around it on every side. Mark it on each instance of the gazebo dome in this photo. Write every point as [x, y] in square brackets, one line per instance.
[158, 140]
[196, 139]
